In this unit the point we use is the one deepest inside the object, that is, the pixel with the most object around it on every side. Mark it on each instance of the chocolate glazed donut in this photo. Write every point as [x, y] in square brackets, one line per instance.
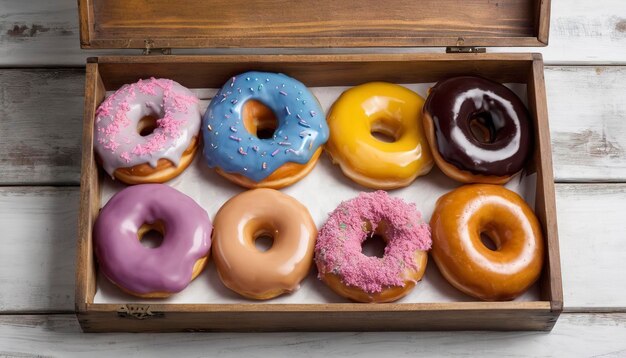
[479, 131]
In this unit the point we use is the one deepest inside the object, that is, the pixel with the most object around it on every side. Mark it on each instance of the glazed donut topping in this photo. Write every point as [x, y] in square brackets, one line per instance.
[480, 126]
[301, 128]
[338, 248]
[141, 270]
[120, 119]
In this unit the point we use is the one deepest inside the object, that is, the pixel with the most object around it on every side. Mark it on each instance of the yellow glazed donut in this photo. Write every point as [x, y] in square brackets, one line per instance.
[388, 109]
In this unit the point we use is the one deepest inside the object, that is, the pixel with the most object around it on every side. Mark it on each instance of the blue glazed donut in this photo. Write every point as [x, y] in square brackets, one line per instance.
[274, 162]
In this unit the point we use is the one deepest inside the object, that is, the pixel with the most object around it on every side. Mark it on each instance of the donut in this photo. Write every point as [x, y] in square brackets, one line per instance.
[147, 132]
[462, 216]
[478, 130]
[263, 130]
[388, 109]
[249, 216]
[350, 273]
[152, 272]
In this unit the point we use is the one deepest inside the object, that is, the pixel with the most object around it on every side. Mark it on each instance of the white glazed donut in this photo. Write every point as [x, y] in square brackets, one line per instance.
[164, 107]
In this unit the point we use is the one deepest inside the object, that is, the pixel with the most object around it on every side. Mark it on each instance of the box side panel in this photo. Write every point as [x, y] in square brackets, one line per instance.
[316, 70]
[501, 320]
[545, 206]
[89, 193]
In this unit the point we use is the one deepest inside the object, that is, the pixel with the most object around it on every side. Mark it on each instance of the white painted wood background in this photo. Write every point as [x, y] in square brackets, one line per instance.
[40, 122]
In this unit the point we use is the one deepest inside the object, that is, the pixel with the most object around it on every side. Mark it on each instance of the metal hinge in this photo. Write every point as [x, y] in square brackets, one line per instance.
[149, 49]
[137, 311]
[465, 49]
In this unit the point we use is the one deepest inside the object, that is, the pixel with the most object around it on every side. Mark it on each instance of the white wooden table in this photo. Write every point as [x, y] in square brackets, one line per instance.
[41, 87]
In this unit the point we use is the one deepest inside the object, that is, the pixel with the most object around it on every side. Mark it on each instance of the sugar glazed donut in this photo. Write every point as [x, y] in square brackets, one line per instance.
[479, 131]
[147, 132]
[461, 216]
[347, 271]
[263, 130]
[384, 108]
[152, 272]
[257, 213]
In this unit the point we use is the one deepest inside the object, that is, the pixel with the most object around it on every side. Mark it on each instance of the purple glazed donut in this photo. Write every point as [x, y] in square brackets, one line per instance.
[152, 272]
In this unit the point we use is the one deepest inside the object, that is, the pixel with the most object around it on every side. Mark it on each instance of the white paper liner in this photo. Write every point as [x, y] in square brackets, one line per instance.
[321, 192]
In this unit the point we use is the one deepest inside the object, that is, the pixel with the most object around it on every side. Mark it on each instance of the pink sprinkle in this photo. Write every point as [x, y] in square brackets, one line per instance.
[147, 87]
[287, 151]
[233, 129]
[106, 107]
[275, 152]
[242, 152]
[125, 156]
[339, 243]
[284, 143]
[312, 113]
[283, 93]
[255, 148]
[264, 165]
[235, 138]
[287, 109]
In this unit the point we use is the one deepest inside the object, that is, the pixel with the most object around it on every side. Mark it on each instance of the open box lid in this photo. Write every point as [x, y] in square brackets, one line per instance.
[312, 23]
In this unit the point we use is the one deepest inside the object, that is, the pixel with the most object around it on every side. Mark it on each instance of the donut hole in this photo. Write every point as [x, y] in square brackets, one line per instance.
[147, 125]
[386, 130]
[151, 235]
[263, 241]
[482, 127]
[489, 241]
[374, 246]
[259, 120]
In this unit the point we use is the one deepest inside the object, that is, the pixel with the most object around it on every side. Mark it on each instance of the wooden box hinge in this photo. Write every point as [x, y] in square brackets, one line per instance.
[465, 49]
[150, 49]
[137, 311]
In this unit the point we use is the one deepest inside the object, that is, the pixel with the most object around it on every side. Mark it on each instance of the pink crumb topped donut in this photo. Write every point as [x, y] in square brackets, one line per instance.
[147, 131]
[347, 271]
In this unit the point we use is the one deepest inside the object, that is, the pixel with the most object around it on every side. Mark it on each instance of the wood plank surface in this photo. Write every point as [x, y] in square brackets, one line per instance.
[41, 110]
[39, 241]
[40, 125]
[45, 33]
[40, 116]
[592, 233]
[587, 108]
[575, 335]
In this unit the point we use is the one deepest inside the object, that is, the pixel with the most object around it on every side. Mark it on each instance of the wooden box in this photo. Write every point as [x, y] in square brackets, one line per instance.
[147, 25]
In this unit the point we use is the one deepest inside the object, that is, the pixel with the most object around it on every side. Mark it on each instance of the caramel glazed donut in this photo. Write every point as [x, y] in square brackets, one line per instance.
[347, 271]
[459, 219]
[253, 214]
[478, 130]
[135, 147]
